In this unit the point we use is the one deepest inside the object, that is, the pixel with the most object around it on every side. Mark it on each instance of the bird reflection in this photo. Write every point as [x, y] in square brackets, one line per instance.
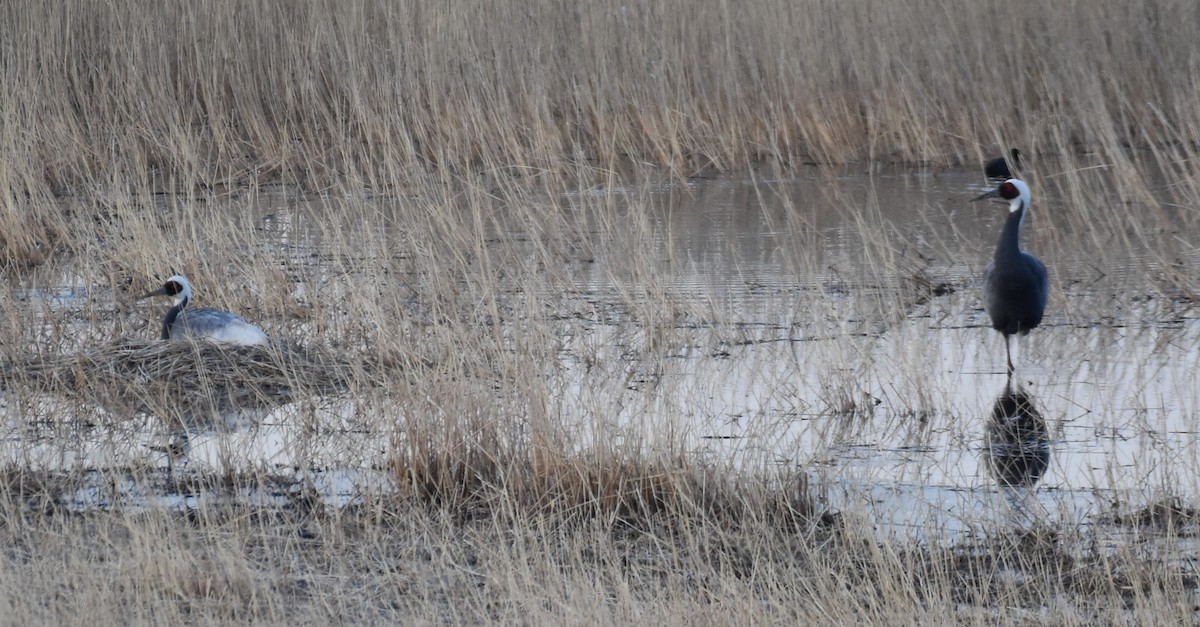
[1018, 444]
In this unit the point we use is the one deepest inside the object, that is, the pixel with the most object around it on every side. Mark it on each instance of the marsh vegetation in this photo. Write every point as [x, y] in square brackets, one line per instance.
[602, 312]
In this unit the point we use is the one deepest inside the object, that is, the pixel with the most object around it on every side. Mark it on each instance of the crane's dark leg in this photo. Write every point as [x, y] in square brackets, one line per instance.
[1008, 353]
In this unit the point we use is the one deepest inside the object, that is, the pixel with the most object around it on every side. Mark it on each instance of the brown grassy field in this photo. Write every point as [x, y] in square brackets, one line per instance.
[392, 190]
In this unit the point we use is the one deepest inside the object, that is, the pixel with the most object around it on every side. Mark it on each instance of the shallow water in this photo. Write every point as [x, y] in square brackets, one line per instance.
[800, 336]
[888, 414]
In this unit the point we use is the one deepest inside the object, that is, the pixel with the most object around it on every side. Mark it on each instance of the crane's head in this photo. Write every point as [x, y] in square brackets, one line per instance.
[176, 286]
[1014, 191]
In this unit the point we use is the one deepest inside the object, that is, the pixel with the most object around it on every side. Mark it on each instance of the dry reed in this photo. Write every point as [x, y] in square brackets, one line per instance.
[402, 191]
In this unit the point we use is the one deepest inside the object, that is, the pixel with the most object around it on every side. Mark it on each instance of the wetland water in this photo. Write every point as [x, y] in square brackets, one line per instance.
[831, 325]
[888, 410]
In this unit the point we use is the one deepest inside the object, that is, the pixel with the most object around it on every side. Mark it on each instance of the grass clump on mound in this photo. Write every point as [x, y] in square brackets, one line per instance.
[605, 488]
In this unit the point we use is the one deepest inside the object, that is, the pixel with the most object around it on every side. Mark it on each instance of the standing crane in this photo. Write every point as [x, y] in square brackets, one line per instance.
[1015, 284]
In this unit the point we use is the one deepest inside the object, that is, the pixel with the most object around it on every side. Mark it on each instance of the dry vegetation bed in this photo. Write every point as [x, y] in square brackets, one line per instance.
[193, 381]
[407, 559]
[410, 142]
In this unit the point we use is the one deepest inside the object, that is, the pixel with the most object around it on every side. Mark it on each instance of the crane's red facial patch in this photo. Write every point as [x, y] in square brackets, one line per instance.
[1008, 191]
[173, 287]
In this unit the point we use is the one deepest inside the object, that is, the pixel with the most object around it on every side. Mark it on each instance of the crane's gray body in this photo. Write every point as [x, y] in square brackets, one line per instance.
[1015, 284]
[212, 324]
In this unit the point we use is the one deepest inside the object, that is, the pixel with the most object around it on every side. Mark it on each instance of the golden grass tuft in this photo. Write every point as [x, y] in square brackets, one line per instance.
[604, 489]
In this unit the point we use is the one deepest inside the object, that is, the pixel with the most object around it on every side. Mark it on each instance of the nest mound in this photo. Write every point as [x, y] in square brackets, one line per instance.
[186, 379]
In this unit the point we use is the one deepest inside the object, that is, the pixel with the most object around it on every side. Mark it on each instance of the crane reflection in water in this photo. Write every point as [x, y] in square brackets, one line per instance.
[1017, 449]
[1018, 443]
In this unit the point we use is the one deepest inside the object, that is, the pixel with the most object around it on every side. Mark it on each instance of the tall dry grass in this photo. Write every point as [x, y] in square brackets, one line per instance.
[218, 93]
[401, 189]
[112, 100]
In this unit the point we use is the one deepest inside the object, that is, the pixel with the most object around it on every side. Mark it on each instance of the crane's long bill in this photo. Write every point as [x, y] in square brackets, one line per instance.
[995, 193]
[162, 291]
